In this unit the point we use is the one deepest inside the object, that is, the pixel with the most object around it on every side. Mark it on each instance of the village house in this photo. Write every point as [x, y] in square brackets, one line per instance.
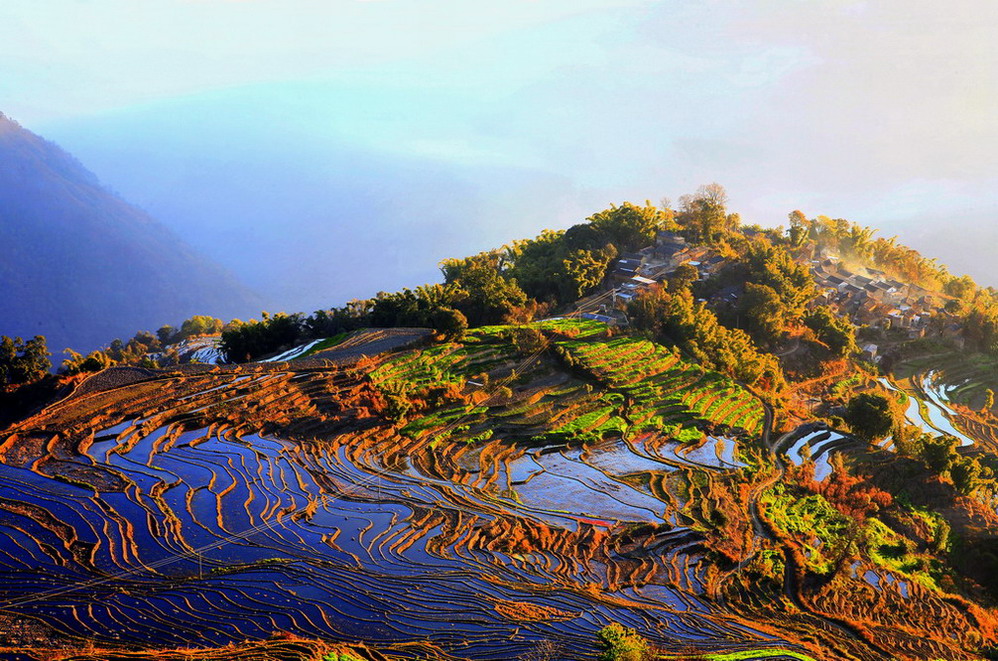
[630, 289]
[625, 269]
[711, 265]
[668, 245]
[870, 352]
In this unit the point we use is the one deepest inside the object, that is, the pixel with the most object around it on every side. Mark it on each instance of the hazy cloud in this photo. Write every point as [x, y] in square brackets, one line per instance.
[537, 112]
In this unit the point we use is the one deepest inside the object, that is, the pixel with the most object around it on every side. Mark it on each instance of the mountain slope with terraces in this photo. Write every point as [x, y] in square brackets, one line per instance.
[519, 498]
[765, 447]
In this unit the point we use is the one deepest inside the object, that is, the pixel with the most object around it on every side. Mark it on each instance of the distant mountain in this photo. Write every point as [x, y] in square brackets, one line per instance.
[311, 208]
[81, 266]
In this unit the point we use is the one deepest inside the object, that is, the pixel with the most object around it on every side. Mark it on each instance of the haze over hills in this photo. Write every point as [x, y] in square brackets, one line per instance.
[82, 266]
[316, 193]
[307, 210]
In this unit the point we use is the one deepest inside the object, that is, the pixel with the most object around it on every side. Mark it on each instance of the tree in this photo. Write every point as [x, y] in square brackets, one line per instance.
[763, 313]
[966, 475]
[622, 643]
[77, 363]
[166, 334]
[989, 401]
[797, 233]
[584, 270]
[629, 227]
[200, 324]
[536, 264]
[871, 416]
[583, 236]
[683, 277]
[938, 453]
[23, 361]
[962, 288]
[489, 296]
[527, 341]
[703, 217]
[837, 333]
[675, 319]
[258, 338]
[449, 322]
[398, 400]
[774, 267]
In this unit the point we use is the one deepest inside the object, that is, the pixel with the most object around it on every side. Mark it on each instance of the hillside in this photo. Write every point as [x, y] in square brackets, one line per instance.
[81, 266]
[658, 432]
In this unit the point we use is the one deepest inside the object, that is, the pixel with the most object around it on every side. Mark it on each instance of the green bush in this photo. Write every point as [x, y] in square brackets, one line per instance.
[620, 643]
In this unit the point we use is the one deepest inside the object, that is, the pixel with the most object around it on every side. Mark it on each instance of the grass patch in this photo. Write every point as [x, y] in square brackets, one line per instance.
[327, 343]
[757, 654]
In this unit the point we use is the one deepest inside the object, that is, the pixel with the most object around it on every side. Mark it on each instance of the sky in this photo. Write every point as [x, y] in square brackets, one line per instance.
[414, 130]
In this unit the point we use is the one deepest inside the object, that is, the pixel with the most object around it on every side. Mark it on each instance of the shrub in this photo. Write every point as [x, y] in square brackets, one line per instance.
[621, 643]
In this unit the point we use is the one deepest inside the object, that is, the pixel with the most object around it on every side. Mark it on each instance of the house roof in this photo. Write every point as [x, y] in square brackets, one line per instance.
[730, 293]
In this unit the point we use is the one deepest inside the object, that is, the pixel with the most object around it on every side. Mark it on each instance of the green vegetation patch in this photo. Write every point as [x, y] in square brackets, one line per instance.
[620, 643]
[827, 535]
[748, 655]
[656, 379]
[614, 386]
[822, 530]
[578, 328]
[327, 343]
[341, 656]
[893, 552]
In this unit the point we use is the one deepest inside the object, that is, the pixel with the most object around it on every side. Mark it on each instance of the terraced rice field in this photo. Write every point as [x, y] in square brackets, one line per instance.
[665, 389]
[817, 444]
[929, 406]
[626, 388]
[967, 375]
[208, 506]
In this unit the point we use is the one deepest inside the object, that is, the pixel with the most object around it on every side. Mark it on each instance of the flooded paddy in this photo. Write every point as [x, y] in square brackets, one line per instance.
[171, 536]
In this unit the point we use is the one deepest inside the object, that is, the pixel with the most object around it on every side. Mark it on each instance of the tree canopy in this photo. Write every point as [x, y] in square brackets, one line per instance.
[23, 361]
[838, 334]
[703, 216]
[675, 319]
[871, 416]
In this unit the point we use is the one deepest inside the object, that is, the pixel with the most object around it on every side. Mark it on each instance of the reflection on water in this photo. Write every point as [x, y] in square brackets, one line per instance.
[188, 537]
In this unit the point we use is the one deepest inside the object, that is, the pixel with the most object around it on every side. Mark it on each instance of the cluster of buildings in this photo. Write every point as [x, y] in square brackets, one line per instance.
[869, 297]
[873, 299]
[636, 272]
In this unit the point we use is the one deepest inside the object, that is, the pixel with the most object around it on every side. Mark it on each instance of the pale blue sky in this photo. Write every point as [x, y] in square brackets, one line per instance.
[881, 112]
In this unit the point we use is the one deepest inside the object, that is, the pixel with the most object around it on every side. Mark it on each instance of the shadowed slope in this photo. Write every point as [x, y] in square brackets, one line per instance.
[81, 266]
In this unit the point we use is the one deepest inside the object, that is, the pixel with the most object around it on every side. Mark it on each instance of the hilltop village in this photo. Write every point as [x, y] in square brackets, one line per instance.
[864, 295]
